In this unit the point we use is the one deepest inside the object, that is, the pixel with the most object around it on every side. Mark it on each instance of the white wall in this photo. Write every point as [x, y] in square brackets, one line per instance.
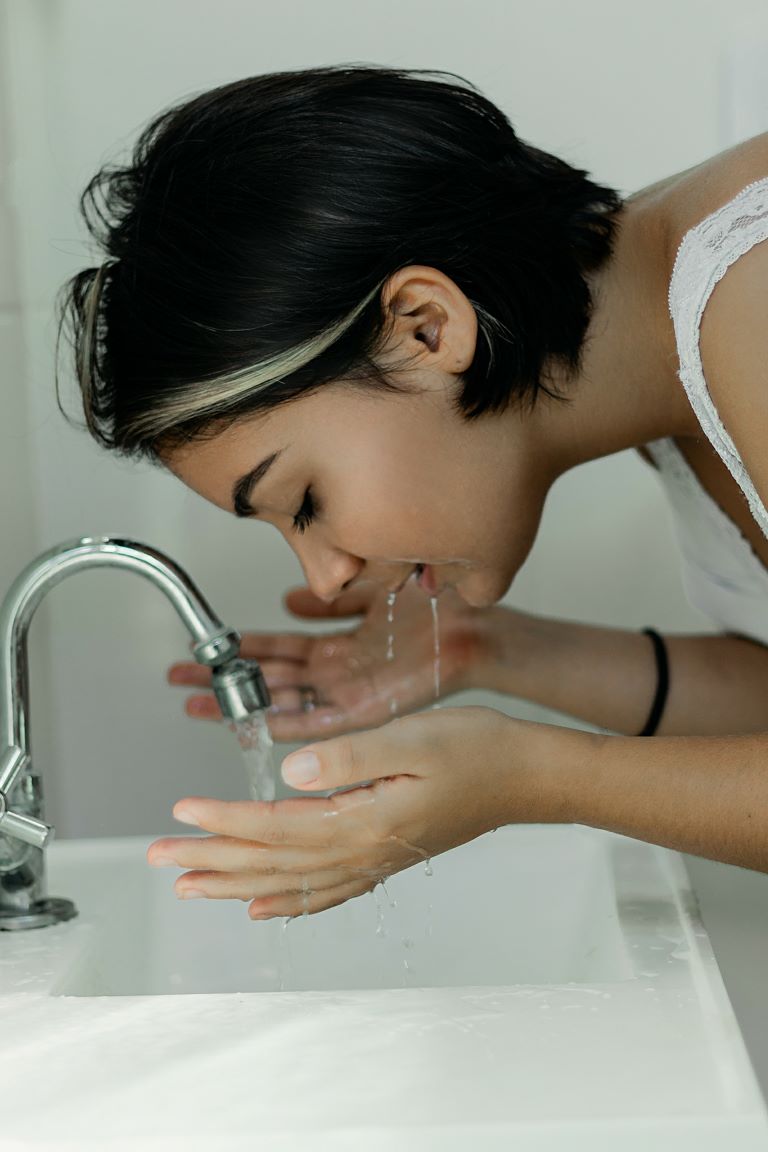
[630, 92]
[18, 478]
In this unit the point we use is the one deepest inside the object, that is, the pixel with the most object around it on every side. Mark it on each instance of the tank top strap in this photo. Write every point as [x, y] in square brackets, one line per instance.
[705, 254]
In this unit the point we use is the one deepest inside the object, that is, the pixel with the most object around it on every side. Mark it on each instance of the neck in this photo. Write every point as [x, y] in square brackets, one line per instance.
[628, 392]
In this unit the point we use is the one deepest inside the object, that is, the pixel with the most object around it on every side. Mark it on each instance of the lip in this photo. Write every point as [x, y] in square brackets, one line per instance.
[399, 587]
[427, 580]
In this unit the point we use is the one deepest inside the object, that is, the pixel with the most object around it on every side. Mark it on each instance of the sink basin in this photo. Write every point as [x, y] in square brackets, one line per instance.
[547, 987]
[533, 905]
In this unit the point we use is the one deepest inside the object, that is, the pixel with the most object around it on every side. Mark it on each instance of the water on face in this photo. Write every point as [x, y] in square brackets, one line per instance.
[255, 740]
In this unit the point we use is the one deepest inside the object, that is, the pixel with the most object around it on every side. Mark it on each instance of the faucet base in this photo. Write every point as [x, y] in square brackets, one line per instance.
[41, 914]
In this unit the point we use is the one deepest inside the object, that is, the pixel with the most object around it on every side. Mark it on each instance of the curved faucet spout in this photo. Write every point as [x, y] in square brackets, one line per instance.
[214, 645]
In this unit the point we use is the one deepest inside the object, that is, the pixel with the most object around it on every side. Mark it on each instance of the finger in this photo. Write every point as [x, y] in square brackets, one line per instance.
[286, 727]
[202, 707]
[186, 672]
[287, 646]
[277, 674]
[296, 821]
[293, 699]
[314, 901]
[299, 697]
[354, 602]
[288, 700]
[352, 758]
[250, 886]
[227, 854]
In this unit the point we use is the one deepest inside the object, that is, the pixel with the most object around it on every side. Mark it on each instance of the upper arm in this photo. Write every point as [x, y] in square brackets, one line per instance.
[733, 343]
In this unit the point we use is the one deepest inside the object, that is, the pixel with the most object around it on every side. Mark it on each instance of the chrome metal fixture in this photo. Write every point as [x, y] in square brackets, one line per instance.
[238, 684]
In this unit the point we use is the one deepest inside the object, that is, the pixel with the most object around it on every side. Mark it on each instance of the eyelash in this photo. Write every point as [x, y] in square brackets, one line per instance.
[306, 513]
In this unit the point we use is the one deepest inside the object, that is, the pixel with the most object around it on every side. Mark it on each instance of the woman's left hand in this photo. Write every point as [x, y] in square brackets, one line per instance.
[437, 779]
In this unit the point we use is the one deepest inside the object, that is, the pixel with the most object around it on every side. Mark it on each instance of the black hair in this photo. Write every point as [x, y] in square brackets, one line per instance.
[249, 239]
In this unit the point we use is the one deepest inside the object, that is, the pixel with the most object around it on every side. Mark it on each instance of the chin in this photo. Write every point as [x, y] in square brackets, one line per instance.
[480, 594]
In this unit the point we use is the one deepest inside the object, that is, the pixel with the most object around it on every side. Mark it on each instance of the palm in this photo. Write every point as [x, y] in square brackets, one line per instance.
[353, 670]
[354, 682]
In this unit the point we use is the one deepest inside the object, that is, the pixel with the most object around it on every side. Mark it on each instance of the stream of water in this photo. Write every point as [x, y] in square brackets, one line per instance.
[257, 747]
[393, 708]
[255, 740]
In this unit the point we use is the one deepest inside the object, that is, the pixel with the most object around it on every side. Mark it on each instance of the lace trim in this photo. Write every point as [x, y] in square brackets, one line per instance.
[726, 234]
[672, 464]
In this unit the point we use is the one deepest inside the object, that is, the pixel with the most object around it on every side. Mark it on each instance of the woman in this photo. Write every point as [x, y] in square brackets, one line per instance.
[352, 303]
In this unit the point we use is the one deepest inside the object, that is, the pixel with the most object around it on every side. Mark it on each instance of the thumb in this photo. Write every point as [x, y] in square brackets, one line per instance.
[353, 758]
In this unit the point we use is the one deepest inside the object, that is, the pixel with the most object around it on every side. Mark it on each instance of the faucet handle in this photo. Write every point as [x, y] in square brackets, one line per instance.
[13, 763]
[21, 827]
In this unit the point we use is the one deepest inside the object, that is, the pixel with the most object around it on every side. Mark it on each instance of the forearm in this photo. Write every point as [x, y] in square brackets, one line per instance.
[704, 795]
[607, 676]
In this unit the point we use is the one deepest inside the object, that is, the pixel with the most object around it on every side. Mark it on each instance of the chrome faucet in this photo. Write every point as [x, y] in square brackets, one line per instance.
[238, 684]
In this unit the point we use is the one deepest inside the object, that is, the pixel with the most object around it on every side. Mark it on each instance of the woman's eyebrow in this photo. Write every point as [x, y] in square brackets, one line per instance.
[242, 488]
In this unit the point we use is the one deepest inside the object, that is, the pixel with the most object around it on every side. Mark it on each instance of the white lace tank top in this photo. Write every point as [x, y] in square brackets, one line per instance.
[722, 575]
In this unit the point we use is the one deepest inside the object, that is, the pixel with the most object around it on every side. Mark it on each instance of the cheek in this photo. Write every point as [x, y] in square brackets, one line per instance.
[381, 506]
[376, 505]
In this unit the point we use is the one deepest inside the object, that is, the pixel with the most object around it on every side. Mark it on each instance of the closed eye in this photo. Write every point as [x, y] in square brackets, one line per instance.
[306, 513]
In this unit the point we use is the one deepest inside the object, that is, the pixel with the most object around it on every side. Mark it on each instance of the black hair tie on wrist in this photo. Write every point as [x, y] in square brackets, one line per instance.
[662, 684]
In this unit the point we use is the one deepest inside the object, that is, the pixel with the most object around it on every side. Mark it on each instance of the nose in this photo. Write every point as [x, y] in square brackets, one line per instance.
[328, 571]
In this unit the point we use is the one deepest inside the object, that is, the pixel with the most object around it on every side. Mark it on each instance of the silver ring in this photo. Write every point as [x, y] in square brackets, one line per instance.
[308, 697]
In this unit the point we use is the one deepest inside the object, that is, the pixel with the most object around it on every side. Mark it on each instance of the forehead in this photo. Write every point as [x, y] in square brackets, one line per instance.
[212, 464]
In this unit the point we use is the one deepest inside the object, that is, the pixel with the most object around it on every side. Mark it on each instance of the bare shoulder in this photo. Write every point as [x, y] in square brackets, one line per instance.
[686, 198]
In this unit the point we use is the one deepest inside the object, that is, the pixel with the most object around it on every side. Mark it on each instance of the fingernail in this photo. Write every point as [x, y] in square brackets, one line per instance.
[185, 817]
[301, 768]
[189, 893]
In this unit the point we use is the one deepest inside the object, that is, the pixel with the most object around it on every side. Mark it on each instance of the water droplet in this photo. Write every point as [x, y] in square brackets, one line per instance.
[392, 903]
[436, 636]
[391, 598]
[380, 930]
[412, 847]
[282, 961]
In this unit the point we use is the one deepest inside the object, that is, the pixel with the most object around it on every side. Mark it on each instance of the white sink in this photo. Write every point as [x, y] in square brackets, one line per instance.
[547, 905]
[560, 992]
[519, 906]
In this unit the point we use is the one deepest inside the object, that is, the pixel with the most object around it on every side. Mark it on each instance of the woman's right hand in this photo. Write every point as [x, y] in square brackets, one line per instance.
[352, 679]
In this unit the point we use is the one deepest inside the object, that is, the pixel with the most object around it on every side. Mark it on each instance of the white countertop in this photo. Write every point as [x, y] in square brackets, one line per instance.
[652, 1061]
